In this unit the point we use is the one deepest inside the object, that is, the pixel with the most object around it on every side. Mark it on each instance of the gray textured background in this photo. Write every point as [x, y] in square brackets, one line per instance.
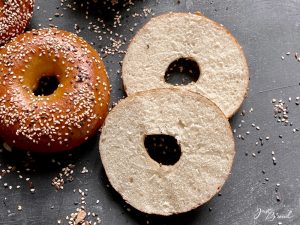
[266, 29]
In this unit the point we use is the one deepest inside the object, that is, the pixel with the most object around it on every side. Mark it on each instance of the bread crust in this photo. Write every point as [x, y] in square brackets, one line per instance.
[14, 18]
[126, 106]
[76, 109]
[228, 107]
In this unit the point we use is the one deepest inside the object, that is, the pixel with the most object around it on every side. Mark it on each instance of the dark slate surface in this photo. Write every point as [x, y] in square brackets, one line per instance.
[267, 29]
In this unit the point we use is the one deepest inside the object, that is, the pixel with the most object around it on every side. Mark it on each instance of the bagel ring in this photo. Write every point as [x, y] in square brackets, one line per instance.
[164, 39]
[14, 18]
[201, 130]
[65, 118]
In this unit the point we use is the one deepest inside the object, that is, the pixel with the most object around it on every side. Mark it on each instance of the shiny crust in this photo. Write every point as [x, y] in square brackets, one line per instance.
[14, 18]
[69, 116]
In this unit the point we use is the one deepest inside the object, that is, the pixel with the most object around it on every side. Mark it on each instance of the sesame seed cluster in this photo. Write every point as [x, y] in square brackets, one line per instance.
[14, 17]
[70, 115]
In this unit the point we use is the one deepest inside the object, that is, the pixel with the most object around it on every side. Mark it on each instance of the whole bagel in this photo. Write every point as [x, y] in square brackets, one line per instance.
[65, 118]
[200, 129]
[173, 36]
[14, 18]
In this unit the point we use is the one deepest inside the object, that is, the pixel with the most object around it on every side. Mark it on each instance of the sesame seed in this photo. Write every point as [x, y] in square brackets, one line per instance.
[36, 123]
[16, 15]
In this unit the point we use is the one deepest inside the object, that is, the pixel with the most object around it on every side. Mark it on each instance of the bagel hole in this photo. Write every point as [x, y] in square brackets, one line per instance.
[46, 86]
[182, 72]
[164, 149]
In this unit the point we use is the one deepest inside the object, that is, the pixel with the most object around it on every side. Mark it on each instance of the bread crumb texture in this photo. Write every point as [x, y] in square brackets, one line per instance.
[166, 38]
[201, 130]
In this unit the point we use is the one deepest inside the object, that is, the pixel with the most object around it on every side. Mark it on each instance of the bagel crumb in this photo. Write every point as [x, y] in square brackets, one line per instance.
[113, 155]
[169, 24]
[81, 215]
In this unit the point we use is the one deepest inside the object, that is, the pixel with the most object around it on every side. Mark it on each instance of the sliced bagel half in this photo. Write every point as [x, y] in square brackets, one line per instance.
[205, 144]
[170, 37]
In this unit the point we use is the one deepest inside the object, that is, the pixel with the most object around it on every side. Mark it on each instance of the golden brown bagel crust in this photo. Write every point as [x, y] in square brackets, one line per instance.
[14, 18]
[69, 116]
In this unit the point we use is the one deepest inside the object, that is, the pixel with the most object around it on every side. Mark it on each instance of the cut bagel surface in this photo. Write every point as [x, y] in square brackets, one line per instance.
[169, 37]
[201, 130]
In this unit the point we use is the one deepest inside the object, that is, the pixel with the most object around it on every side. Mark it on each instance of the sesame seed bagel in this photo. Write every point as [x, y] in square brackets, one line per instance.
[14, 18]
[65, 118]
[201, 130]
[164, 39]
